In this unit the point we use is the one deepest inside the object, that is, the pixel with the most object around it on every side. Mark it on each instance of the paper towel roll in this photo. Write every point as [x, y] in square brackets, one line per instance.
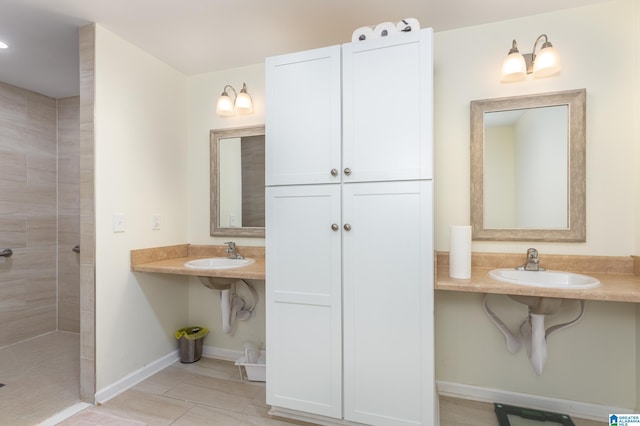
[408, 24]
[363, 33]
[460, 252]
[385, 29]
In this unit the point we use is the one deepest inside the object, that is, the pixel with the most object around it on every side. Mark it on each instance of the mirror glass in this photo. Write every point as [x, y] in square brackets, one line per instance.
[528, 167]
[237, 182]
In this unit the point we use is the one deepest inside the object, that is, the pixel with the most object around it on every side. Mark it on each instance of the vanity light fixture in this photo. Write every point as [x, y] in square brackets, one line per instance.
[3, 45]
[241, 104]
[546, 62]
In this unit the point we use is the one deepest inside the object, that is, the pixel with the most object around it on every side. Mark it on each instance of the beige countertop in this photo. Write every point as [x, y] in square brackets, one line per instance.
[171, 260]
[619, 283]
[620, 276]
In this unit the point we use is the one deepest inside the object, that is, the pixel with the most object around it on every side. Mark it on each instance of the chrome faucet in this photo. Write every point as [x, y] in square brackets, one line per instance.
[232, 251]
[532, 263]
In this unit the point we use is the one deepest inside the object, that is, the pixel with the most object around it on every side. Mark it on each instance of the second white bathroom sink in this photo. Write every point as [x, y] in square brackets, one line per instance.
[546, 279]
[218, 263]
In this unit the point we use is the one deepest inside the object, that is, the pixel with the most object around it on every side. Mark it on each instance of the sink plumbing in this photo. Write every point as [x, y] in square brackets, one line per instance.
[532, 329]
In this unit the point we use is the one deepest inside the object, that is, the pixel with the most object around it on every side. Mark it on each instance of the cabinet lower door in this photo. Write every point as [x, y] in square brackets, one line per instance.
[303, 299]
[388, 303]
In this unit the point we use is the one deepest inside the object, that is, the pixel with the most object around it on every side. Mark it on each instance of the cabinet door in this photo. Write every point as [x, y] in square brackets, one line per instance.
[388, 303]
[303, 299]
[303, 113]
[387, 108]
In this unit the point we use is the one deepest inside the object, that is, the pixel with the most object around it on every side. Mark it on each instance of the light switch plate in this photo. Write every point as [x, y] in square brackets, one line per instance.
[155, 222]
[118, 222]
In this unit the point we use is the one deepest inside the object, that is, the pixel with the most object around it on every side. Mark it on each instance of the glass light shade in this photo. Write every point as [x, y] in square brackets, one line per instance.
[3, 45]
[224, 106]
[244, 104]
[546, 63]
[514, 67]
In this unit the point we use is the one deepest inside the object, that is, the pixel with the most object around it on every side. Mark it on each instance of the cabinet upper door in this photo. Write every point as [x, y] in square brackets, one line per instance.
[387, 108]
[303, 114]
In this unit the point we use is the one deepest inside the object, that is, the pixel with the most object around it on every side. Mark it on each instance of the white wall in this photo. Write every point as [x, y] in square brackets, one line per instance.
[596, 44]
[204, 303]
[140, 135]
[140, 169]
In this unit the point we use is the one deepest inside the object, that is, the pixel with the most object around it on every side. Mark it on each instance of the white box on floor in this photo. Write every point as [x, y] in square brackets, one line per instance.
[254, 372]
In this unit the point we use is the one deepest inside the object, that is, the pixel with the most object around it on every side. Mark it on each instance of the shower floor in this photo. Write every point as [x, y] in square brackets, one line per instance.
[41, 377]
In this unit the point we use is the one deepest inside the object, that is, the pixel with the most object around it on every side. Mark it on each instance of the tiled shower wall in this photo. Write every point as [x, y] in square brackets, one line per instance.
[28, 215]
[68, 214]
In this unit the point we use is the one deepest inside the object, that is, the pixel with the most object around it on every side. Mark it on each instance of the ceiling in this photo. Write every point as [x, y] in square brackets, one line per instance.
[198, 36]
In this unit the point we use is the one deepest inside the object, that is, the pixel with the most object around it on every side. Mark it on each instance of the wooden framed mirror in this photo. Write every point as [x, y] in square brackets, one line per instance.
[237, 182]
[528, 177]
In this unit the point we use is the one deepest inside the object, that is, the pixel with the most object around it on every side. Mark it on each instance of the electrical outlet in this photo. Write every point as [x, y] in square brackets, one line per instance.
[155, 222]
[118, 222]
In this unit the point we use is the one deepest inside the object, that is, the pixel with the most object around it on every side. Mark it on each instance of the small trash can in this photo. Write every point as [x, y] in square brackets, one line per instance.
[190, 343]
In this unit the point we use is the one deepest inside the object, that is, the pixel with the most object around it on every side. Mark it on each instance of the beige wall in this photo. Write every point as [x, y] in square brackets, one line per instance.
[204, 304]
[596, 44]
[140, 169]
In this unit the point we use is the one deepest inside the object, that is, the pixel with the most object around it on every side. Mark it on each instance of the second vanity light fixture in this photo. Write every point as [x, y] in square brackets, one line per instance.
[241, 103]
[546, 62]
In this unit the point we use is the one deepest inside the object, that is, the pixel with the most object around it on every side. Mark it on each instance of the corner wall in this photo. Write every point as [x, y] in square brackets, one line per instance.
[140, 169]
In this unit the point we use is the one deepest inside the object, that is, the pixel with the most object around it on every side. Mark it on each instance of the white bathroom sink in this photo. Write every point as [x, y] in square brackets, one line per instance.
[218, 263]
[546, 279]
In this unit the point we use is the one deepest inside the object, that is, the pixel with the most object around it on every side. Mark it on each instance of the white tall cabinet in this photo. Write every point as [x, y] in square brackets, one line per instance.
[349, 238]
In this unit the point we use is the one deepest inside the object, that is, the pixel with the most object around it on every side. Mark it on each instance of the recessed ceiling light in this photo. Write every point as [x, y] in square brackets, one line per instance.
[3, 45]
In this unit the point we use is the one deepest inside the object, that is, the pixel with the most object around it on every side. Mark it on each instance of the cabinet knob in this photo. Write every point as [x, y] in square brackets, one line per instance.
[347, 171]
[347, 227]
[334, 172]
[335, 227]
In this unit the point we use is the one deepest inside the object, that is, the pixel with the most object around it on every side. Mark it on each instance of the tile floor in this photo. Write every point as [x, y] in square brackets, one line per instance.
[42, 376]
[209, 392]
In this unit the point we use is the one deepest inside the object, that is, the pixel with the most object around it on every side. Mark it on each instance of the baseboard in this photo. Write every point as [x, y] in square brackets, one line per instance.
[160, 364]
[584, 410]
[129, 381]
[221, 353]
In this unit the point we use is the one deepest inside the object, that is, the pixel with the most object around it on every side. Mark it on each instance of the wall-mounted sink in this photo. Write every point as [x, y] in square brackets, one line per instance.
[546, 279]
[218, 263]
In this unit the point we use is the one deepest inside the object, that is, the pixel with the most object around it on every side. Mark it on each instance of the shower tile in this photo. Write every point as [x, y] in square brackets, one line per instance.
[68, 317]
[42, 170]
[13, 104]
[13, 232]
[13, 164]
[28, 322]
[41, 377]
[69, 200]
[68, 230]
[42, 231]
